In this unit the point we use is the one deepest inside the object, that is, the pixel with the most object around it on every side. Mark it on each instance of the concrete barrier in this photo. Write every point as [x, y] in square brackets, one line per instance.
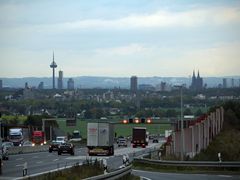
[27, 149]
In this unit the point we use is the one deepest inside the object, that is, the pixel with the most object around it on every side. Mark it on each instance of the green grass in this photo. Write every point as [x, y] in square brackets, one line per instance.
[120, 129]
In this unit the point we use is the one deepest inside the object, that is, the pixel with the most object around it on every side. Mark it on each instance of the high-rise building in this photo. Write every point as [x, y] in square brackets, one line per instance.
[224, 83]
[197, 82]
[70, 84]
[1, 84]
[60, 80]
[232, 84]
[134, 84]
[53, 65]
[41, 85]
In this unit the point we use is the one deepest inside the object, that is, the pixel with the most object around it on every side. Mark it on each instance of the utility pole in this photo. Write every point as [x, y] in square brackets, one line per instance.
[182, 135]
[182, 132]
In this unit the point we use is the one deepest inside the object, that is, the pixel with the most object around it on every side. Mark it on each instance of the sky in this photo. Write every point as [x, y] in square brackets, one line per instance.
[120, 38]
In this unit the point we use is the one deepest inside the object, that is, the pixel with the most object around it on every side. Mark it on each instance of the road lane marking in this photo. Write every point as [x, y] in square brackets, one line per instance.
[19, 164]
[39, 162]
[55, 159]
[142, 177]
[35, 156]
[18, 159]
[225, 176]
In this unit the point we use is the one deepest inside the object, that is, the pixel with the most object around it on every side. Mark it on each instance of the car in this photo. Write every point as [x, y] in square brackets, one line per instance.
[7, 144]
[5, 153]
[66, 148]
[122, 142]
[53, 146]
[155, 140]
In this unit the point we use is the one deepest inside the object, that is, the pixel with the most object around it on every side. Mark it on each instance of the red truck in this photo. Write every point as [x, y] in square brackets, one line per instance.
[38, 138]
[139, 137]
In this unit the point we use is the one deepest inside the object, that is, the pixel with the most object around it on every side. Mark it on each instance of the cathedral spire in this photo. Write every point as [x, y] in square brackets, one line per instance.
[198, 74]
[194, 73]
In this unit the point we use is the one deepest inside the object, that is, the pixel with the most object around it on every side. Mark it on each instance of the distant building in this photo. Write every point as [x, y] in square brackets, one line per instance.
[70, 84]
[1, 84]
[133, 84]
[224, 83]
[232, 83]
[60, 80]
[26, 85]
[41, 85]
[197, 82]
[146, 87]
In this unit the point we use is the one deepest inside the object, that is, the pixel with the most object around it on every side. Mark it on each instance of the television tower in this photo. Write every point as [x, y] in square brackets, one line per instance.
[53, 65]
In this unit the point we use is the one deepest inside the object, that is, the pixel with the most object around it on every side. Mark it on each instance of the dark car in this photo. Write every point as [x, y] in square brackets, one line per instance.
[54, 146]
[5, 153]
[66, 148]
[155, 140]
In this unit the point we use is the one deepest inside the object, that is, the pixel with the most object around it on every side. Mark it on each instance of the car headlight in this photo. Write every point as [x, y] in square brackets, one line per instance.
[33, 144]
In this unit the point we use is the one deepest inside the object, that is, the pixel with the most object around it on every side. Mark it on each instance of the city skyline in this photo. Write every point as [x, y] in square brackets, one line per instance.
[119, 39]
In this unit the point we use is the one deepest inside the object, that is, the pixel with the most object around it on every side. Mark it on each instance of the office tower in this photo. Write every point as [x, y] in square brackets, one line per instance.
[1, 84]
[60, 80]
[224, 83]
[70, 84]
[41, 85]
[232, 83]
[134, 84]
[26, 85]
[53, 65]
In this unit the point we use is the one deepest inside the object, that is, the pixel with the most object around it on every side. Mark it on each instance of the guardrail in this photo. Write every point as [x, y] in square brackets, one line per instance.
[51, 173]
[113, 175]
[227, 164]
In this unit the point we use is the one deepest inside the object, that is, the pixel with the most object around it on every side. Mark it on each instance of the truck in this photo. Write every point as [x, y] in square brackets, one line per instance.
[16, 136]
[38, 138]
[100, 138]
[139, 137]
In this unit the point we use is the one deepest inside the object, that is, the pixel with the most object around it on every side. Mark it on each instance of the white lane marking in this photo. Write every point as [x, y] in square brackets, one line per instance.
[35, 156]
[18, 159]
[142, 177]
[86, 157]
[49, 155]
[225, 176]
[55, 159]
[39, 162]
[19, 164]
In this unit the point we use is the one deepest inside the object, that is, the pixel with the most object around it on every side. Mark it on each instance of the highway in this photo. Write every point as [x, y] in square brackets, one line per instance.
[147, 175]
[45, 161]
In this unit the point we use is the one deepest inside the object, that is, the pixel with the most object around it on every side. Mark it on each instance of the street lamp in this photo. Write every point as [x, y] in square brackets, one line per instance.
[182, 135]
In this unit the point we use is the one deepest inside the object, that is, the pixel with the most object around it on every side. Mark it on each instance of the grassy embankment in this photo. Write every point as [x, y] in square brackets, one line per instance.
[120, 129]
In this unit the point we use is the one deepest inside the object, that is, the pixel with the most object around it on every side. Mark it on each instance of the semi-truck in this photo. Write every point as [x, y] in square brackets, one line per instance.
[16, 136]
[139, 137]
[100, 138]
[38, 138]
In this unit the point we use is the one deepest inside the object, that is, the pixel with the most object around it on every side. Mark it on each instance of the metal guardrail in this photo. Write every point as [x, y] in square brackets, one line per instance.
[225, 164]
[113, 175]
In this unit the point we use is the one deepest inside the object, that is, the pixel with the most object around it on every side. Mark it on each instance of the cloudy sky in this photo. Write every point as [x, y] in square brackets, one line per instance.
[120, 38]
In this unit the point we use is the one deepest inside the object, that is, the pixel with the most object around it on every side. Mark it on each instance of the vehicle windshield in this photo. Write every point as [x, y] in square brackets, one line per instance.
[15, 136]
[60, 138]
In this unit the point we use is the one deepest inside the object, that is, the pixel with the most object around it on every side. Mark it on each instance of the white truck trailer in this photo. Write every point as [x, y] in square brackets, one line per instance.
[100, 138]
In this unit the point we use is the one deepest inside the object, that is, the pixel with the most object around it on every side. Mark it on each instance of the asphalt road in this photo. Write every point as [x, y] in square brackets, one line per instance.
[45, 161]
[147, 175]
